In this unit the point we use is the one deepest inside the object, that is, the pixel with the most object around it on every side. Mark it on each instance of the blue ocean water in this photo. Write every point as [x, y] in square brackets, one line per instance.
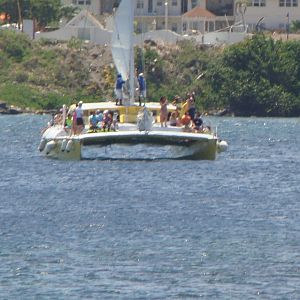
[152, 229]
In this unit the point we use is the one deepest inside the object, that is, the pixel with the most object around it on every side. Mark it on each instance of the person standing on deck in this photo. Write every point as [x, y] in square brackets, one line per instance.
[141, 88]
[119, 89]
[163, 111]
[79, 118]
[74, 120]
[191, 107]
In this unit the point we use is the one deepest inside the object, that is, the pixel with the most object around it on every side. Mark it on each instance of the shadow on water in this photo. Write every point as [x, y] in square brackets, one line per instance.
[126, 159]
[136, 153]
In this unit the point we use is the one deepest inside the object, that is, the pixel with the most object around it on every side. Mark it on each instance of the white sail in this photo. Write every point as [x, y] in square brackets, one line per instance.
[122, 42]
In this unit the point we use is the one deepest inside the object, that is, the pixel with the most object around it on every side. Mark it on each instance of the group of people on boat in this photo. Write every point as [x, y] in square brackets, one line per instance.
[98, 121]
[74, 120]
[185, 114]
[140, 89]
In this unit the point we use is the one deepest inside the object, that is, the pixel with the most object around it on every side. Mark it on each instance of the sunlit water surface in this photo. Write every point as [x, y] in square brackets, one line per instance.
[140, 226]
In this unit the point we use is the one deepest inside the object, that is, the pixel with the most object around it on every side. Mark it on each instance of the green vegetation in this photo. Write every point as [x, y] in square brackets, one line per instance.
[43, 75]
[45, 13]
[295, 27]
[258, 77]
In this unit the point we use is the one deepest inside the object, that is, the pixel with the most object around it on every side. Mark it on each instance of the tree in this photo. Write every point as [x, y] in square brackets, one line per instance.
[43, 11]
[295, 26]
[257, 77]
[68, 12]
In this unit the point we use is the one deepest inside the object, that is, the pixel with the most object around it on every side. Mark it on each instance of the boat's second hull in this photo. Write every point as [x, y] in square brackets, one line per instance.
[188, 145]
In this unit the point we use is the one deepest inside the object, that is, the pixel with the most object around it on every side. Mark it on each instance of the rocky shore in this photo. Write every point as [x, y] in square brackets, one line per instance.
[6, 109]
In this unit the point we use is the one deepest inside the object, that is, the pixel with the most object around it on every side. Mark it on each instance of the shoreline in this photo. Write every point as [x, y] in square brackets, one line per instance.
[6, 109]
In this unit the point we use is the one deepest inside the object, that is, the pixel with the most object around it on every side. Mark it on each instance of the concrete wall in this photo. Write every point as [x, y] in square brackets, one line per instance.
[101, 36]
[219, 38]
[96, 35]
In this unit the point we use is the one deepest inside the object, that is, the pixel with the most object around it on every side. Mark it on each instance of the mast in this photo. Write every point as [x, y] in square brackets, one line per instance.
[131, 62]
[122, 45]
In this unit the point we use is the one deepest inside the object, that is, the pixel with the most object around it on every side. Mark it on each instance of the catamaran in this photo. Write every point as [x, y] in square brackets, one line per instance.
[136, 124]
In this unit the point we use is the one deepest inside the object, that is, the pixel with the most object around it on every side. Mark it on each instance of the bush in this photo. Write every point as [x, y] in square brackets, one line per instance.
[15, 45]
[21, 77]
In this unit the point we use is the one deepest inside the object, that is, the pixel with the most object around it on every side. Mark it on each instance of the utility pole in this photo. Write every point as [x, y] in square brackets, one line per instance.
[166, 14]
[288, 26]
[19, 14]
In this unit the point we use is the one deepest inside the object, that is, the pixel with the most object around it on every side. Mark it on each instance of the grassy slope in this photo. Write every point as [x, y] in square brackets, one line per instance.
[44, 75]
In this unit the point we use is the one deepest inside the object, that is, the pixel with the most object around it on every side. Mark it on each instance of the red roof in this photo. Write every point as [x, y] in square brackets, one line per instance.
[199, 12]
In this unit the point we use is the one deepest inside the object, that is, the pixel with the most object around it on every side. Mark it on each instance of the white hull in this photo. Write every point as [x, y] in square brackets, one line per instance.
[135, 124]
[200, 145]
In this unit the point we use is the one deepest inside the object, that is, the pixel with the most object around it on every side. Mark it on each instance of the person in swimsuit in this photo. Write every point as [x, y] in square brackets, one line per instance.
[163, 111]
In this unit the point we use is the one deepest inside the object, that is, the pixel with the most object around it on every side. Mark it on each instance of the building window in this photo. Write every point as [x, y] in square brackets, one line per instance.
[159, 3]
[81, 2]
[174, 27]
[194, 3]
[257, 3]
[140, 4]
[174, 3]
[288, 3]
[150, 6]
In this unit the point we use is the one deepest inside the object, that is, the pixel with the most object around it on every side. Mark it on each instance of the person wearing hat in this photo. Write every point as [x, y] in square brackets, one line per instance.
[142, 87]
[119, 89]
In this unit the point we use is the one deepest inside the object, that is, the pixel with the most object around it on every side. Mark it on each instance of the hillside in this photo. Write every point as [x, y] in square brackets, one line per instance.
[44, 74]
[258, 77]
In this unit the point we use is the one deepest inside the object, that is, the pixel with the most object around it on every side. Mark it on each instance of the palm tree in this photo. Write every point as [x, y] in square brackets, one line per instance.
[240, 9]
[69, 12]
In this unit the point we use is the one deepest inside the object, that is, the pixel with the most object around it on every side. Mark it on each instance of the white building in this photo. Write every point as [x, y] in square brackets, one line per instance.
[162, 14]
[274, 14]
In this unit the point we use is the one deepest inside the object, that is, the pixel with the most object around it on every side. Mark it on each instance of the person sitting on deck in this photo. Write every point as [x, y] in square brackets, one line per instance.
[99, 116]
[198, 122]
[68, 122]
[174, 119]
[186, 121]
[93, 121]
[107, 120]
